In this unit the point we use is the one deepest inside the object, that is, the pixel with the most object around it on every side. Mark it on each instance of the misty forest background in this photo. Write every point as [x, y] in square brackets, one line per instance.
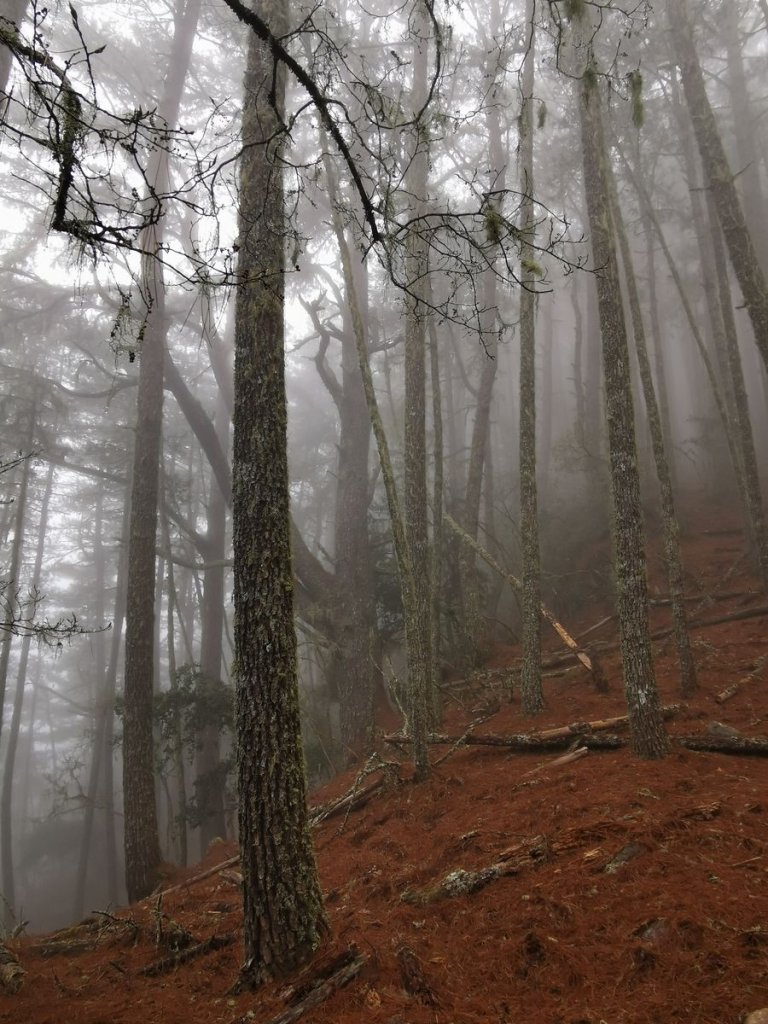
[460, 172]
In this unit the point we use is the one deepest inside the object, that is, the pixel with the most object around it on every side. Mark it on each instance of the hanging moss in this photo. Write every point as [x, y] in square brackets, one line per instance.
[635, 80]
[494, 225]
[532, 267]
[590, 79]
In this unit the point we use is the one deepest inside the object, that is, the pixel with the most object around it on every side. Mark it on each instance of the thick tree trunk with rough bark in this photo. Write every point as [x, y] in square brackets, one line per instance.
[648, 736]
[283, 918]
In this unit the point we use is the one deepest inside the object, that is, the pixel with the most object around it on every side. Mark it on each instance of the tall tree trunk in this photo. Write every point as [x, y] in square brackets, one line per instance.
[746, 128]
[142, 845]
[283, 917]
[101, 711]
[670, 526]
[417, 625]
[720, 179]
[6, 799]
[749, 466]
[13, 11]
[210, 780]
[646, 724]
[530, 678]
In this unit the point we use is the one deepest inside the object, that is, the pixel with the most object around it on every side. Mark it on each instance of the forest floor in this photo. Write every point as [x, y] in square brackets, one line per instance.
[620, 890]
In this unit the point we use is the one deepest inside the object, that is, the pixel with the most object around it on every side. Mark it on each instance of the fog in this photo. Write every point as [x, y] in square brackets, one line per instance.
[420, 230]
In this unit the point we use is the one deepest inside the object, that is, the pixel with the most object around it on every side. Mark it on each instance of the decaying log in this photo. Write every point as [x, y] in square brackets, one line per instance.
[168, 963]
[201, 877]
[413, 978]
[547, 739]
[577, 728]
[11, 971]
[591, 666]
[728, 692]
[523, 743]
[743, 745]
[313, 992]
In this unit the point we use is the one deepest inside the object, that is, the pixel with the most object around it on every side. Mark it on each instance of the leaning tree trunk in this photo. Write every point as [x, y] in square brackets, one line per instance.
[530, 680]
[283, 917]
[646, 724]
[12, 11]
[720, 178]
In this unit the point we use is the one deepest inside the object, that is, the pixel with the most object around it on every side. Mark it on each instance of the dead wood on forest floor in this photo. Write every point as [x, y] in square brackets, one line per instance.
[547, 739]
[523, 743]
[661, 634]
[11, 971]
[168, 963]
[589, 663]
[745, 746]
[315, 985]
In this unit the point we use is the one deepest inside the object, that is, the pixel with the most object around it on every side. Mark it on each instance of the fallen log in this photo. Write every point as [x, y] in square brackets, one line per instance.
[661, 634]
[168, 963]
[577, 728]
[312, 994]
[589, 664]
[521, 744]
[740, 745]
[11, 971]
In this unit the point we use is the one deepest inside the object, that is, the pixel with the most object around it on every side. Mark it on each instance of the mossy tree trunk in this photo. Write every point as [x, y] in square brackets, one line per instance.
[418, 632]
[646, 724]
[719, 176]
[670, 525]
[530, 683]
[283, 918]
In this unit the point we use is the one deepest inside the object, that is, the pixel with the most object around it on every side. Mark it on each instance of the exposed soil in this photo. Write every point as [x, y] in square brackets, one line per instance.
[628, 891]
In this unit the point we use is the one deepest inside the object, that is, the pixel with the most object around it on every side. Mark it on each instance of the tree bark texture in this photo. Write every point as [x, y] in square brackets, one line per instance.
[417, 625]
[532, 697]
[720, 179]
[648, 736]
[283, 916]
[142, 845]
[670, 525]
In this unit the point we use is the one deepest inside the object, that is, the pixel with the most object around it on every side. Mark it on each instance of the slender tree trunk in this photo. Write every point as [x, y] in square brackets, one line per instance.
[530, 679]
[438, 532]
[100, 714]
[210, 780]
[743, 424]
[719, 177]
[177, 815]
[646, 724]
[142, 845]
[670, 526]
[6, 799]
[417, 626]
[283, 917]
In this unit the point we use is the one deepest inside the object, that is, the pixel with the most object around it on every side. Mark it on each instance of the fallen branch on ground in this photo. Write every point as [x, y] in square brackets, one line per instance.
[589, 663]
[168, 963]
[741, 745]
[523, 743]
[547, 739]
[11, 971]
[333, 977]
